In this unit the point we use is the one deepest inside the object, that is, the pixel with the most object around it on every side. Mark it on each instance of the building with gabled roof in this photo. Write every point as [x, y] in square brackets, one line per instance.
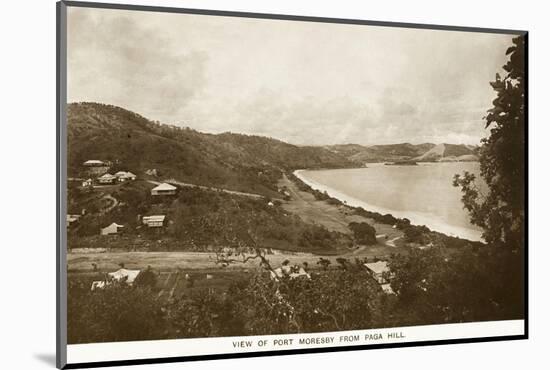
[111, 229]
[164, 189]
[94, 163]
[106, 179]
[125, 176]
[377, 267]
[381, 273]
[71, 219]
[124, 275]
[96, 167]
[154, 220]
[292, 272]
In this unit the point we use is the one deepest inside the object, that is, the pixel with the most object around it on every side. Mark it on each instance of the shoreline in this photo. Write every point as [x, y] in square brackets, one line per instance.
[416, 218]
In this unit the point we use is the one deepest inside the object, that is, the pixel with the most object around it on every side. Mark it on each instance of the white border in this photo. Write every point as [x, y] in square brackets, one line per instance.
[116, 351]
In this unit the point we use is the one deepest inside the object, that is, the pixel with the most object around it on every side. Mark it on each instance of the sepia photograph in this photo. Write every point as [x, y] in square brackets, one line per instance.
[238, 176]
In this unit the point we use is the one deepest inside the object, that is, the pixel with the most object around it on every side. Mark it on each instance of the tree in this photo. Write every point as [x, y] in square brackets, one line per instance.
[324, 263]
[336, 300]
[146, 278]
[403, 223]
[433, 286]
[363, 233]
[116, 313]
[203, 314]
[501, 212]
[342, 263]
[414, 234]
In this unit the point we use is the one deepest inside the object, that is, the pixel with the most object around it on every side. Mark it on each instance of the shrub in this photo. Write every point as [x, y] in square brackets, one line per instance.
[146, 278]
[363, 233]
[414, 235]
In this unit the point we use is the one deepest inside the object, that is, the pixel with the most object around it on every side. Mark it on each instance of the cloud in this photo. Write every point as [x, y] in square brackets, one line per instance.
[302, 82]
[116, 60]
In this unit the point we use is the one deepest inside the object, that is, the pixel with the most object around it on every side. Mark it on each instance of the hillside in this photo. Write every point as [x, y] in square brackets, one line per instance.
[426, 152]
[233, 161]
[446, 151]
[381, 153]
[198, 220]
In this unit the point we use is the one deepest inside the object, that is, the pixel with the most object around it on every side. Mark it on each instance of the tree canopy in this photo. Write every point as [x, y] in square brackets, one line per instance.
[501, 212]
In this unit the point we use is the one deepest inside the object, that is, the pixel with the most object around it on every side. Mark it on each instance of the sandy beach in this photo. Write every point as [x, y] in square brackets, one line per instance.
[416, 218]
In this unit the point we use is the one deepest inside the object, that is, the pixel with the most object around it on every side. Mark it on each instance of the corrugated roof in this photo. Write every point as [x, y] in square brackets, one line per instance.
[378, 267]
[130, 275]
[107, 176]
[115, 224]
[292, 271]
[154, 218]
[387, 289]
[165, 186]
[93, 161]
[71, 218]
[124, 174]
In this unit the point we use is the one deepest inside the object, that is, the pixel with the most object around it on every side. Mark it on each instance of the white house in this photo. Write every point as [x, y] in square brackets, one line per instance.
[387, 288]
[164, 189]
[87, 183]
[291, 271]
[111, 229]
[154, 221]
[381, 273]
[121, 275]
[106, 179]
[120, 174]
[125, 275]
[130, 176]
[125, 176]
[377, 270]
[94, 163]
[72, 219]
[96, 167]
[99, 284]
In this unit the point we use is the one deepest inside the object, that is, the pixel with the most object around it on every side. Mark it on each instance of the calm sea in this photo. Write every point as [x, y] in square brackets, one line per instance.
[424, 194]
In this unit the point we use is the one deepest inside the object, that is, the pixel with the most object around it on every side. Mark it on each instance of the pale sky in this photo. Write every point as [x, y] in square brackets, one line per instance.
[305, 83]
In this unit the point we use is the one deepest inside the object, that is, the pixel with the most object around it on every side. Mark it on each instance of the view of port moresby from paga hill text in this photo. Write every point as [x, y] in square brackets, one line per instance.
[239, 176]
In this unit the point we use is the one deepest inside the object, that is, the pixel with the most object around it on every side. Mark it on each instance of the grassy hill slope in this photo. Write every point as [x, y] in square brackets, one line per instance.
[132, 142]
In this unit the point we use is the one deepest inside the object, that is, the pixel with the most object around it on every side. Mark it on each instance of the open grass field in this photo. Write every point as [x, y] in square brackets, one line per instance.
[335, 218]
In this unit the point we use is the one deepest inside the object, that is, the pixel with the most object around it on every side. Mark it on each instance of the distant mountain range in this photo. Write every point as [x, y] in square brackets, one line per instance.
[426, 152]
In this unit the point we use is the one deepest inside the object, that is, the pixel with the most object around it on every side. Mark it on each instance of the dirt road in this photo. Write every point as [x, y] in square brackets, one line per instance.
[188, 185]
[174, 261]
[109, 208]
